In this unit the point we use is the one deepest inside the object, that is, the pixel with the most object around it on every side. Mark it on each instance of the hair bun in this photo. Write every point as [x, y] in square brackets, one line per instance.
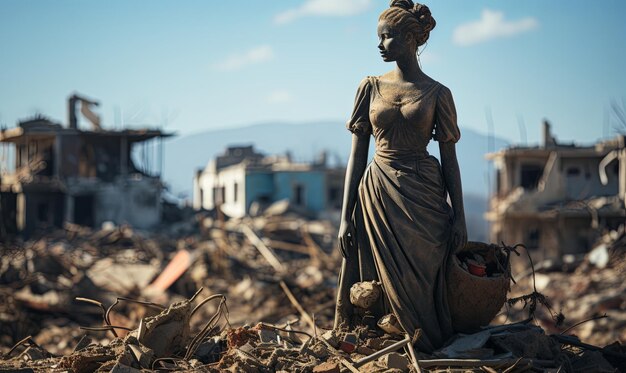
[422, 13]
[414, 18]
[404, 4]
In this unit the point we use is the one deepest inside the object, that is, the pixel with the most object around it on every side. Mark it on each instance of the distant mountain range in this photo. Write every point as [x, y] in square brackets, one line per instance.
[185, 154]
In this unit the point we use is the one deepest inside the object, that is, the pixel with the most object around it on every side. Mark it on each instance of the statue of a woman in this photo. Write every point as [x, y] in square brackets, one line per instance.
[397, 226]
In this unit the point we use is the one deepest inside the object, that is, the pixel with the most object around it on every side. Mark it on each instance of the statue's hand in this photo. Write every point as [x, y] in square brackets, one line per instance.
[459, 234]
[347, 237]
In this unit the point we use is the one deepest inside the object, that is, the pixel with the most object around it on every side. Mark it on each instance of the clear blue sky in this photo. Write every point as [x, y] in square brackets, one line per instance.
[201, 65]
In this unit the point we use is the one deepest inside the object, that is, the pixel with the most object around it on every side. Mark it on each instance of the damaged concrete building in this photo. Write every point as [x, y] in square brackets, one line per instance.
[558, 198]
[241, 176]
[53, 174]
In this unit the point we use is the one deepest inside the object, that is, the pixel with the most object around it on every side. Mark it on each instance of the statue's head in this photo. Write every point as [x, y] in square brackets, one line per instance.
[402, 28]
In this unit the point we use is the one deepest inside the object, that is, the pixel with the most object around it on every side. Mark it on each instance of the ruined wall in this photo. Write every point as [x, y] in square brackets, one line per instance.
[541, 236]
[576, 235]
[41, 210]
[203, 190]
[232, 180]
[259, 187]
[312, 182]
[334, 188]
[519, 167]
[68, 147]
[8, 213]
[550, 237]
[209, 187]
[135, 200]
[582, 178]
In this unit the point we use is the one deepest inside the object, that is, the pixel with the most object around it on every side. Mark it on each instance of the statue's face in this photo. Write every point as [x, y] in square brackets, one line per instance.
[394, 44]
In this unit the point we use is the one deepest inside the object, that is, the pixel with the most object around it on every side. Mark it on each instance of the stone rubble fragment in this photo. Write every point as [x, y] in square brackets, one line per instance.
[365, 294]
[395, 360]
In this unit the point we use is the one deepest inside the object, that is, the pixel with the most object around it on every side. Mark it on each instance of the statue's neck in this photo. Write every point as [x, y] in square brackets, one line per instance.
[408, 69]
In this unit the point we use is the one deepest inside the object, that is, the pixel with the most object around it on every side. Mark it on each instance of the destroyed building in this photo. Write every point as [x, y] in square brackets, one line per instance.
[558, 198]
[53, 174]
[241, 176]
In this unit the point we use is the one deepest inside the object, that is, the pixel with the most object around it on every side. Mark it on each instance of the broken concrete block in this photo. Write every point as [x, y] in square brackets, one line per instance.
[90, 358]
[364, 350]
[143, 355]
[375, 343]
[127, 358]
[365, 294]
[331, 337]
[319, 350]
[327, 367]
[167, 332]
[47, 302]
[395, 360]
[390, 324]
[121, 278]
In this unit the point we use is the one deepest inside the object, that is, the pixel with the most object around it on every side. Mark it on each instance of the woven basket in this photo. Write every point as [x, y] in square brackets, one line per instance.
[474, 301]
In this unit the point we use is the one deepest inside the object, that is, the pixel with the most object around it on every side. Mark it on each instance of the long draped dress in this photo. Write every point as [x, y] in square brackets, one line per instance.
[402, 217]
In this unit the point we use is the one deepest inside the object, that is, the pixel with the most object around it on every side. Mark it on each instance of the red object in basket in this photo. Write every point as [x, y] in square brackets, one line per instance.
[477, 269]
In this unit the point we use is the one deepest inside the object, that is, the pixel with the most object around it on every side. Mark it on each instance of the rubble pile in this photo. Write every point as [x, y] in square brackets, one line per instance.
[590, 291]
[41, 278]
[52, 286]
[247, 295]
[164, 343]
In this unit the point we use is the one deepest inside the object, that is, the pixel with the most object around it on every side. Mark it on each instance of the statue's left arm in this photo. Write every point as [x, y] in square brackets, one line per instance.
[452, 178]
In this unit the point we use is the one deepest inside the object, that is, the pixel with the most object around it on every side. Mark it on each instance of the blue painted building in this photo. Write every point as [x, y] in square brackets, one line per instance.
[241, 177]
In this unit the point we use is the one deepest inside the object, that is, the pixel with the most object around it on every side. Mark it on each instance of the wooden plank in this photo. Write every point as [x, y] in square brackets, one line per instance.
[297, 305]
[265, 251]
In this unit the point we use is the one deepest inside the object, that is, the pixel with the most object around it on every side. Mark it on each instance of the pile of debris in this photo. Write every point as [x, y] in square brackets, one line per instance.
[243, 295]
[590, 290]
[249, 260]
[41, 278]
[164, 342]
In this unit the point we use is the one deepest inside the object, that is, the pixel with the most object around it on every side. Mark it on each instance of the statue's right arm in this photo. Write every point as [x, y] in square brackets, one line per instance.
[354, 172]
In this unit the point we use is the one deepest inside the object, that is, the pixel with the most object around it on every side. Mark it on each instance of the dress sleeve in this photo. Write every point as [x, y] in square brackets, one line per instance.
[360, 123]
[446, 128]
